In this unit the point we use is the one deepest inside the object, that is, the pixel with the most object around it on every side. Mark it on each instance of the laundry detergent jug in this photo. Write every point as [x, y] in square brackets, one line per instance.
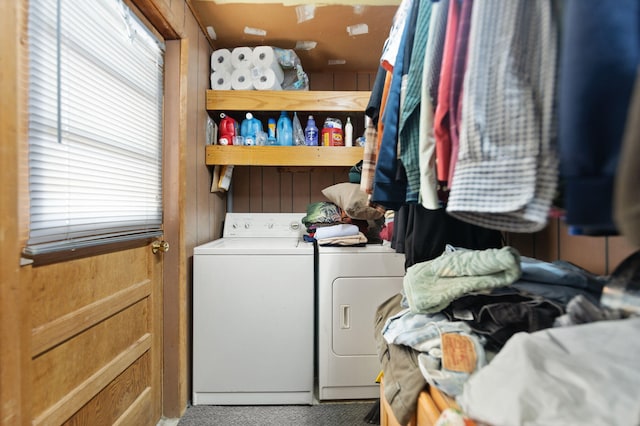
[228, 129]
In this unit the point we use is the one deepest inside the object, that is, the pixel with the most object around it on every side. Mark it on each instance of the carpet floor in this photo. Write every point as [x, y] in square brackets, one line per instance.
[322, 414]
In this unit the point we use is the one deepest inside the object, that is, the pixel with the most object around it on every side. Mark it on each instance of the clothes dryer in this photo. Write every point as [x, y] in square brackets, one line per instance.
[351, 283]
[253, 320]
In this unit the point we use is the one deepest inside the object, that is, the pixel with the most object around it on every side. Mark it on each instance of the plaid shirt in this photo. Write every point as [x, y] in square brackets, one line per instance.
[507, 169]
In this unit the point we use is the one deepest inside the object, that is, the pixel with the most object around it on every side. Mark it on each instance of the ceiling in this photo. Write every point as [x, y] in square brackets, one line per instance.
[351, 33]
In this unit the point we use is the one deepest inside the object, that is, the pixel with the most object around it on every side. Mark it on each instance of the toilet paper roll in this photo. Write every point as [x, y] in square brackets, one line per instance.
[241, 79]
[221, 80]
[221, 60]
[242, 57]
[267, 80]
[264, 57]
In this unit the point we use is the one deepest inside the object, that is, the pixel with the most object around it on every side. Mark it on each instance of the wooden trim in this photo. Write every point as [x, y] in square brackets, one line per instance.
[83, 393]
[98, 249]
[159, 17]
[283, 155]
[57, 331]
[136, 412]
[14, 326]
[290, 100]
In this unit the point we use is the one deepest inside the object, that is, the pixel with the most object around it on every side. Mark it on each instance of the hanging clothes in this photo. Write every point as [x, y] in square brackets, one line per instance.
[441, 123]
[506, 173]
[626, 195]
[387, 190]
[459, 68]
[428, 196]
[600, 56]
[410, 117]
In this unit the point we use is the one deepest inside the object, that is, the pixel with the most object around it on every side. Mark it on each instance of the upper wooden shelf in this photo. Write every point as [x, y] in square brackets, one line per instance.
[283, 155]
[287, 100]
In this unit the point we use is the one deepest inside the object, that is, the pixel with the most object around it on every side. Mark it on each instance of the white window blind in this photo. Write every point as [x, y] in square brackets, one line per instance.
[95, 125]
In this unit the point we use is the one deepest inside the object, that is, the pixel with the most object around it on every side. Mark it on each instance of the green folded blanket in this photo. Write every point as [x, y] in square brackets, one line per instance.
[430, 286]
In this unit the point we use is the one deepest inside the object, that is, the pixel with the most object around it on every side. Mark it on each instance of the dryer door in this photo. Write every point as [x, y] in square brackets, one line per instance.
[355, 300]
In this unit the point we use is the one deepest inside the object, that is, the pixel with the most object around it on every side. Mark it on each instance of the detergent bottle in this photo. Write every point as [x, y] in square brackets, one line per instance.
[271, 132]
[228, 130]
[250, 128]
[284, 130]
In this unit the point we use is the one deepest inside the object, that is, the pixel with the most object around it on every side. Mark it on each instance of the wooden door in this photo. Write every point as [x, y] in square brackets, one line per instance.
[90, 335]
[96, 339]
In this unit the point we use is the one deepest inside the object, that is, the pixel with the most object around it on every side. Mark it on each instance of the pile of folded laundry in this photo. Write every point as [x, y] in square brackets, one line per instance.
[345, 220]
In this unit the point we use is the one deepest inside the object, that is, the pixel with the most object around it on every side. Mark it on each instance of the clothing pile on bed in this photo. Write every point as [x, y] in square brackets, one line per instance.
[345, 220]
[506, 334]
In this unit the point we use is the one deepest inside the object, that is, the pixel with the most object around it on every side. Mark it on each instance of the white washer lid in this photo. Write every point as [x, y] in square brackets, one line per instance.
[255, 246]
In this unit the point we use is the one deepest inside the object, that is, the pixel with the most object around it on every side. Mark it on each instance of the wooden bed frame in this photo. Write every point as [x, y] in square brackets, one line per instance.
[431, 403]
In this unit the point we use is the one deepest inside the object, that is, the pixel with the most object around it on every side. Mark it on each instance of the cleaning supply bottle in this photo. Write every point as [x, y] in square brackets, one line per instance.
[284, 130]
[228, 129]
[311, 132]
[348, 133]
[250, 128]
[271, 132]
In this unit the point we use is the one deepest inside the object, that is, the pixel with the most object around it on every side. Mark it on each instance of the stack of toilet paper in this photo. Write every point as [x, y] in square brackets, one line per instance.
[246, 68]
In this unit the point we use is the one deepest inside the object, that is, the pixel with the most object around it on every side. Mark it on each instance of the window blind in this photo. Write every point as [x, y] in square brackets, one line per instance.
[95, 125]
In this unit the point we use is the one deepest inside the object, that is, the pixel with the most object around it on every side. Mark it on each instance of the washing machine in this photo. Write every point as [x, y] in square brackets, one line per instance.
[253, 313]
[351, 283]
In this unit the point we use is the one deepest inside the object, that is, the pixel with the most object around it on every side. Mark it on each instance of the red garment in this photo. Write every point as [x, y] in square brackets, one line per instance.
[441, 128]
[459, 69]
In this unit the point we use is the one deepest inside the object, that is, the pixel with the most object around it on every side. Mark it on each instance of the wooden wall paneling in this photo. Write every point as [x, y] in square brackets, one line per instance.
[586, 252]
[345, 81]
[320, 81]
[205, 200]
[255, 189]
[547, 241]
[270, 190]
[321, 178]
[524, 243]
[240, 184]
[301, 187]
[618, 249]
[365, 80]
[286, 190]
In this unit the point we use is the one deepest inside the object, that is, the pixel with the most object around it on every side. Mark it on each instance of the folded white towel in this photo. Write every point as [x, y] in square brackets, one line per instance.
[340, 230]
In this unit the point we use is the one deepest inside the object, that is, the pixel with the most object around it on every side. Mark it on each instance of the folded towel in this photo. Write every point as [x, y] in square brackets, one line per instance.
[341, 230]
[430, 286]
[350, 240]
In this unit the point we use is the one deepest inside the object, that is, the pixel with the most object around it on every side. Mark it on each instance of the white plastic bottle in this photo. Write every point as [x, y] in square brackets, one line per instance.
[348, 133]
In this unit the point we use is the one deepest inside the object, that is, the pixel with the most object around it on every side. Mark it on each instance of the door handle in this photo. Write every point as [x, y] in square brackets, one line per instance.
[157, 246]
[345, 316]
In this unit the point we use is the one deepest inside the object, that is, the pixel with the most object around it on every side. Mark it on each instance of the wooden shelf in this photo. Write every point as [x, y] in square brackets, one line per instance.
[287, 100]
[283, 155]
